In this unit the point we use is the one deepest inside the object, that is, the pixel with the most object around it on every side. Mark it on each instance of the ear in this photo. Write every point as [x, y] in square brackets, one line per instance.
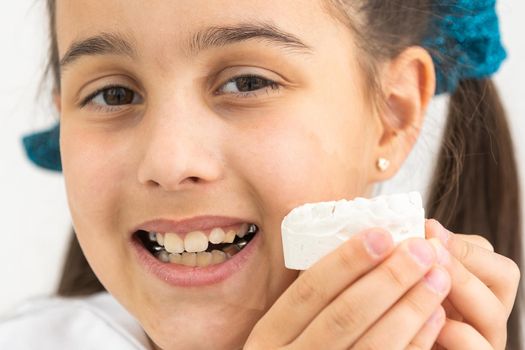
[57, 101]
[408, 84]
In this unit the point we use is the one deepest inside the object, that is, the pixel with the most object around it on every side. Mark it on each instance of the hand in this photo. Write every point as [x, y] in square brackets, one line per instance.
[353, 298]
[484, 287]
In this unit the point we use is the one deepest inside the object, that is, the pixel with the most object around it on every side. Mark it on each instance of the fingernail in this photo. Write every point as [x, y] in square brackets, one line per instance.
[421, 250]
[436, 317]
[437, 280]
[377, 242]
[442, 255]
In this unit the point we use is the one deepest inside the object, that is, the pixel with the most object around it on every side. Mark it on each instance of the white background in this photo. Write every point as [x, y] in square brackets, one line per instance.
[33, 208]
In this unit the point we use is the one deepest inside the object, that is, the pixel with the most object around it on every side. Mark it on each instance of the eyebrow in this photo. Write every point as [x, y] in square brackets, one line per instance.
[212, 37]
[207, 38]
[101, 44]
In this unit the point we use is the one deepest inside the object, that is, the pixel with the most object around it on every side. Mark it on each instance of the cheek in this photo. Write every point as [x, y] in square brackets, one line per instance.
[306, 158]
[93, 178]
[92, 171]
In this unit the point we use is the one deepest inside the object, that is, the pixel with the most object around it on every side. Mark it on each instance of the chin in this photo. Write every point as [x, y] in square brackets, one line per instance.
[203, 331]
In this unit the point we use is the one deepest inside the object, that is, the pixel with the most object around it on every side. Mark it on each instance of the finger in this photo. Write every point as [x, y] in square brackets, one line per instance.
[498, 272]
[320, 284]
[400, 324]
[434, 229]
[358, 307]
[480, 241]
[462, 336]
[476, 302]
[428, 334]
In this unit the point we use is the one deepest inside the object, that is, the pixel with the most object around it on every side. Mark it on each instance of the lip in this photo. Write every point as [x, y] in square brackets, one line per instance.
[188, 225]
[186, 276]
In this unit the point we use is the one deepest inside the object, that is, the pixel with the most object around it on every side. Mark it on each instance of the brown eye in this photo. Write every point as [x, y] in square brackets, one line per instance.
[111, 97]
[117, 96]
[250, 83]
[246, 85]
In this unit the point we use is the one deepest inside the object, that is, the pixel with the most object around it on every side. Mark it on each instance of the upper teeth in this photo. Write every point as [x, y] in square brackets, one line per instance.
[197, 241]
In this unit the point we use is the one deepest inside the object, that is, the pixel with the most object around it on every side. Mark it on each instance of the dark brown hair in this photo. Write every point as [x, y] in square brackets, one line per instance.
[475, 187]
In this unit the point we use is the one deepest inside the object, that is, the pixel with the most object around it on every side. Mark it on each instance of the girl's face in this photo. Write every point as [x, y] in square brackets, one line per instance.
[181, 134]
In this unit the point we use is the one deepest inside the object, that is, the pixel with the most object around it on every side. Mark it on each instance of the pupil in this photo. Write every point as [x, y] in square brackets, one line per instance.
[118, 96]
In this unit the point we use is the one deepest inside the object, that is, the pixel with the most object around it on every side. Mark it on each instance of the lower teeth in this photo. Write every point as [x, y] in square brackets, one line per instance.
[201, 259]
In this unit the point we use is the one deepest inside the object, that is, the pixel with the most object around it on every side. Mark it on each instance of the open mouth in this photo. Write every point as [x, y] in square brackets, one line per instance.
[198, 248]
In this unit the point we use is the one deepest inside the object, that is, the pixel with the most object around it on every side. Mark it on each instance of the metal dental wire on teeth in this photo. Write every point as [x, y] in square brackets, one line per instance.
[251, 229]
[241, 244]
[158, 248]
[152, 236]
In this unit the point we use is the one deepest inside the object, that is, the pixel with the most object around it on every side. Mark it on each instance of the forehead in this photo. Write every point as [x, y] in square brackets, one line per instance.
[165, 25]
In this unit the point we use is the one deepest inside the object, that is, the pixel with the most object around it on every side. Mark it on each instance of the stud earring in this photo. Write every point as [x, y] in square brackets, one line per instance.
[383, 164]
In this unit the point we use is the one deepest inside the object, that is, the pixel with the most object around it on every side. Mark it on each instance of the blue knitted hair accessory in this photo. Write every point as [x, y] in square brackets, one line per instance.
[43, 148]
[464, 41]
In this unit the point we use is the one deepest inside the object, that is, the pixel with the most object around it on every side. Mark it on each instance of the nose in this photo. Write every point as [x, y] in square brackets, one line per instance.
[179, 150]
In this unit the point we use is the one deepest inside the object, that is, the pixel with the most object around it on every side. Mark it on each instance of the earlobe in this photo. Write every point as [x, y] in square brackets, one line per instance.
[408, 86]
[56, 101]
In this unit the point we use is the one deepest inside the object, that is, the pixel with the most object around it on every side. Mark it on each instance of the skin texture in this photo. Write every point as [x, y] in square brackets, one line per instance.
[182, 151]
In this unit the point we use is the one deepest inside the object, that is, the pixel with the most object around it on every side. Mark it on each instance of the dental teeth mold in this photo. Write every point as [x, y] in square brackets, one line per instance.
[313, 230]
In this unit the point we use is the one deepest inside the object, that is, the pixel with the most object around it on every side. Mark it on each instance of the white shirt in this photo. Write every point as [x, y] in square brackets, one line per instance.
[51, 323]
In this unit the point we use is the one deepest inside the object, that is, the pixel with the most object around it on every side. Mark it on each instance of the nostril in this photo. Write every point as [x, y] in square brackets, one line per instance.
[190, 180]
[152, 183]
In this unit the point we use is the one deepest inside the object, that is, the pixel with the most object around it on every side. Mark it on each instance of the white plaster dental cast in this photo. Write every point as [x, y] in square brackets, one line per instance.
[313, 230]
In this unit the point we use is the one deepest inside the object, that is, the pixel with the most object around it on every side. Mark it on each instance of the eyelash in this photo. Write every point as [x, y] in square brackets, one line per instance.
[89, 99]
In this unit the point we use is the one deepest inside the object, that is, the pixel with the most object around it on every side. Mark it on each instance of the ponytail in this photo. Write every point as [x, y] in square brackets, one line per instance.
[475, 189]
[77, 279]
